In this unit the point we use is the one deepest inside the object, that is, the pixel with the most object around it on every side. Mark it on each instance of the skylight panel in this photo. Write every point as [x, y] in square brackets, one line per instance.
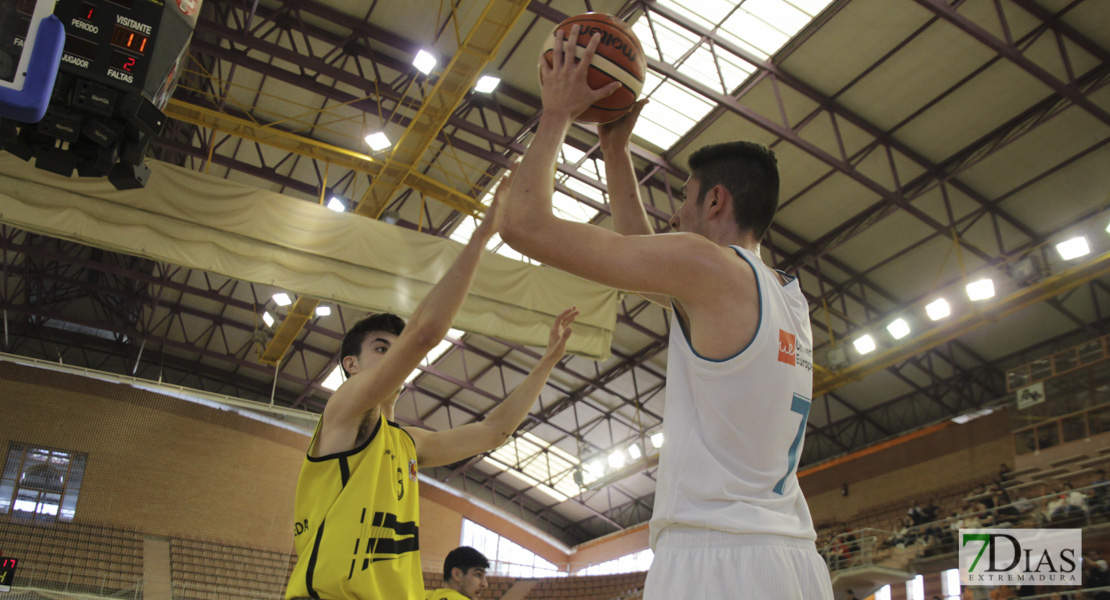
[810, 7]
[585, 189]
[570, 209]
[649, 130]
[673, 41]
[707, 13]
[779, 14]
[571, 154]
[756, 32]
[680, 98]
[437, 352]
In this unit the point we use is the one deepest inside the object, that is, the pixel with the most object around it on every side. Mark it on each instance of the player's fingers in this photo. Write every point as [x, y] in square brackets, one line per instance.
[606, 91]
[591, 48]
[637, 107]
[557, 51]
[570, 47]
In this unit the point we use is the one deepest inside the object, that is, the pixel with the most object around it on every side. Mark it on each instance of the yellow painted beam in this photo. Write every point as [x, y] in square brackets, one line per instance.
[315, 149]
[927, 340]
[299, 313]
[466, 65]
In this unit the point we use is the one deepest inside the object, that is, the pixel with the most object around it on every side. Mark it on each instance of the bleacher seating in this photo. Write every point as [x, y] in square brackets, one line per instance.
[74, 556]
[625, 586]
[204, 570]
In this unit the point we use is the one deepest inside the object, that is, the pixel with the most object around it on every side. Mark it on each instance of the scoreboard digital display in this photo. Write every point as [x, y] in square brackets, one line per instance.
[7, 573]
[119, 64]
[131, 40]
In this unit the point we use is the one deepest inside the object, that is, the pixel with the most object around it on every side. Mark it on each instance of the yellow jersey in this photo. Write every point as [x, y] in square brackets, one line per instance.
[357, 521]
[446, 594]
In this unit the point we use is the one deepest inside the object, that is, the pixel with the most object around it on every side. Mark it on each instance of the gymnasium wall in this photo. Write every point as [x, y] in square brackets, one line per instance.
[950, 455]
[163, 466]
[157, 464]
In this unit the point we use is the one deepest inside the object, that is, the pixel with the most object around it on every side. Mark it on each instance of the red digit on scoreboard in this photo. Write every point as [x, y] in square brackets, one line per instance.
[128, 64]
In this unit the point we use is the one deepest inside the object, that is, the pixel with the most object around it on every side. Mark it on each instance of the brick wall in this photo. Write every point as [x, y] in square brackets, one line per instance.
[157, 464]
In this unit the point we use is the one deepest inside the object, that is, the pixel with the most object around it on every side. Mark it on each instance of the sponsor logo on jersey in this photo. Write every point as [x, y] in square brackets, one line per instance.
[412, 469]
[786, 347]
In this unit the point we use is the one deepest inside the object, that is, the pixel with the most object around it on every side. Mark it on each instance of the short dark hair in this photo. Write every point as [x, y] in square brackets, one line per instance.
[464, 558]
[352, 342]
[749, 171]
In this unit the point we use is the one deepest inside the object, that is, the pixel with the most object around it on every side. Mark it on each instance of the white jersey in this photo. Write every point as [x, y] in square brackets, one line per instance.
[733, 428]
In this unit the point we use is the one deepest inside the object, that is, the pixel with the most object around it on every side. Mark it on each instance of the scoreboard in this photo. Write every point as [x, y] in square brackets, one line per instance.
[119, 66]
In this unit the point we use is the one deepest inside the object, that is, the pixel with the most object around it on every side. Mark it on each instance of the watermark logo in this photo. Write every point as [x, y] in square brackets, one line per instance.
[991, 557]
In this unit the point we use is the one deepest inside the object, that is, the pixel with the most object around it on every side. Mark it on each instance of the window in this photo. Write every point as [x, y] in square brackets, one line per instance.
[41, 484]
[506, 557]
[915, 588]
[629, 563]
[950, 584]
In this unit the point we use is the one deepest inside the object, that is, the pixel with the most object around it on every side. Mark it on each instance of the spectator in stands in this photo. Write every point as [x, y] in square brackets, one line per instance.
[1096, 573]
[1056, 505]
[1068, 504]
[1004, 472]
[1100, 493]
[850, 595]
[1024, 505]
[916, 514]
[464, 575]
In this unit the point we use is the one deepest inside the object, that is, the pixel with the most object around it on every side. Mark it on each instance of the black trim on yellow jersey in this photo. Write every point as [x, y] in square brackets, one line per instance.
[344, 470]
[352, 451]
[392, 424]
[312, 562]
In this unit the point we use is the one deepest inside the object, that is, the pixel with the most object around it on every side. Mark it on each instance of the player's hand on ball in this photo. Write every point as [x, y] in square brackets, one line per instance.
[615, 135]
[566, 91]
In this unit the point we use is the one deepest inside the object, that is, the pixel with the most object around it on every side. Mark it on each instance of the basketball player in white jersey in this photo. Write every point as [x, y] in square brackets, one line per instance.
[729, 519]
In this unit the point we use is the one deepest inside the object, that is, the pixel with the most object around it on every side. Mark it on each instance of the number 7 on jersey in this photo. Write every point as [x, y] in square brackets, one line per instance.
[799, 404]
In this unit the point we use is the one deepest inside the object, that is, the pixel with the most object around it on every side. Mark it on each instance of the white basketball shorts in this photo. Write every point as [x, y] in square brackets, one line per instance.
[702, 563]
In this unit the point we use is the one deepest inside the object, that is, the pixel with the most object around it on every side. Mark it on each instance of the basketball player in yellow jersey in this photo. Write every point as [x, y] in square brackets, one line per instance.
[357, 503]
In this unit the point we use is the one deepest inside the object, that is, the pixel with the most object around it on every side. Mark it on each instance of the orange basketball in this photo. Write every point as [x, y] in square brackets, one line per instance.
[619, 57]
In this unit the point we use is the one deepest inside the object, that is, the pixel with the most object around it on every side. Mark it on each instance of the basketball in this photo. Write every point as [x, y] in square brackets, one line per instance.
[619, 57]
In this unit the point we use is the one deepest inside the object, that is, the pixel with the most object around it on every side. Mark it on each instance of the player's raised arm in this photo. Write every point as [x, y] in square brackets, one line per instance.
[629, 216]
[367, 389]
[446, 447]
[672, 264]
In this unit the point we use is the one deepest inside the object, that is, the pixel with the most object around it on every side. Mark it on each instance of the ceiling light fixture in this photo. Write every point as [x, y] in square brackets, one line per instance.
[1073, 248]
[337, 205]
[938, 309]
[377, 141]
[616, 459]
[323, 310]
[486, 84]
[982, 289]
[864, 344]
[268, 318]
[282, 299]
[634, 452]
[898, 329]
[424, 62]
[657, 439]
